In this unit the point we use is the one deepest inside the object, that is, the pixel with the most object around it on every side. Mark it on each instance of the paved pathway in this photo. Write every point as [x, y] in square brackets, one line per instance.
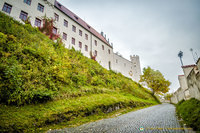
[155, 119]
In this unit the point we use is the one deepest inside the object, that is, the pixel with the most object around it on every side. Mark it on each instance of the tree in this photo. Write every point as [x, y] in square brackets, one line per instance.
[168, 96]
[155, 80]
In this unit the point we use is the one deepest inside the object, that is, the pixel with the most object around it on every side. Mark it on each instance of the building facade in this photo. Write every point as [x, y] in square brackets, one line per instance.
[74, 32]
[189, 84]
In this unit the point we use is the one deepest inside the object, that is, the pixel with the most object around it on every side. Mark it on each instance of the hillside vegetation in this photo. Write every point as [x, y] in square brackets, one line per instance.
[43, 84]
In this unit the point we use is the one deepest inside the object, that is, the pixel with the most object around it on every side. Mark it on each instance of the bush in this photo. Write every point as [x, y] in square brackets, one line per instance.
[189, 111]
[35, 69]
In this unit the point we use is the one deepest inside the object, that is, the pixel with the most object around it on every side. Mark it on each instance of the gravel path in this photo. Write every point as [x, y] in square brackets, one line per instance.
[156, 119]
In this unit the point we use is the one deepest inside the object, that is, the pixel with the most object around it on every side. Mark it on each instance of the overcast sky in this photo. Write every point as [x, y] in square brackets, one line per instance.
[156, 30]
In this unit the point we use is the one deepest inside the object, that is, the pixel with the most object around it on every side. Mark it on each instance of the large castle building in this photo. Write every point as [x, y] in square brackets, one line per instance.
[74, 32]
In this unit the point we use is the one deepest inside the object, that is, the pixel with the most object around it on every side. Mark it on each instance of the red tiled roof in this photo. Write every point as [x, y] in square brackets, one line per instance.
[80, 21]
[193, 65]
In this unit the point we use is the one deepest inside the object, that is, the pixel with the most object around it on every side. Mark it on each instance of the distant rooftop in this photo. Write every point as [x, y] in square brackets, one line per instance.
[193, 65]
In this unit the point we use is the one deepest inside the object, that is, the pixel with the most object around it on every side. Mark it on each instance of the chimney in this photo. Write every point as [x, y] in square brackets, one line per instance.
[102, 33]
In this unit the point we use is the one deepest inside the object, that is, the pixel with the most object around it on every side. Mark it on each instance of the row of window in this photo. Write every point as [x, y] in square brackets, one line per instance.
[7, 7]
[23, 16]
[80, 43]
[40, 6]
[56, 18]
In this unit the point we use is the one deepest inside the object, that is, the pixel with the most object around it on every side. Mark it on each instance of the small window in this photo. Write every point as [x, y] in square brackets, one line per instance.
[28, 2]
[73, 28]
[37, 22]
[86, 48]
[80, 44]
[109, 51]
[64, 36]
[23, 15]
[7, 8]
[40, 7]
[65, 23]
[56, 17]
[80, 32]
[86, 36]
[116, 61]
[54, 30]
[102, 47]
[73, 40]
[95, 53]
[95, 42]
[124, 64]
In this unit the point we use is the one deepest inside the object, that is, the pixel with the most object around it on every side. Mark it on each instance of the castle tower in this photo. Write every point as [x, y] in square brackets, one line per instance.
[136, 67]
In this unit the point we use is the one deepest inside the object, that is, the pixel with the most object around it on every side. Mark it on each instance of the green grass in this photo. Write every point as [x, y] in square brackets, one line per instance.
[44, 85]
[65, 112]
[189, 111]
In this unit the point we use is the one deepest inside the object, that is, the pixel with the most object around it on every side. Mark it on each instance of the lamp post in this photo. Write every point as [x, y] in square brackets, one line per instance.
[180, 55]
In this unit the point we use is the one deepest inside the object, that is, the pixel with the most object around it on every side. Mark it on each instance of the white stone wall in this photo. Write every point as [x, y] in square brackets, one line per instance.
[174, 99]
[193, 81]
[136, 67]
[123, 66]
[19, 5]
[189, 82]
[128, 68]
[182, 82]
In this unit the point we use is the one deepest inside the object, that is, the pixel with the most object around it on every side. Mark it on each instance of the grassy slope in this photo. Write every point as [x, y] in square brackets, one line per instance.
[43, 84]
[189, 111]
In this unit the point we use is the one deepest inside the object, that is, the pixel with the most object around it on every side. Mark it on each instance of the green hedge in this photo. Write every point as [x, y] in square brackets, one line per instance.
[189, 111]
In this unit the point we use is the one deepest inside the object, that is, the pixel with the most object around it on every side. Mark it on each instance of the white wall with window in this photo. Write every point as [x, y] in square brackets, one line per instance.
[72, 29]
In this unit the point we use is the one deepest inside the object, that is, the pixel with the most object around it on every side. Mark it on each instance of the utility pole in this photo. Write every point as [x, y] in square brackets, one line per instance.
[180, 55]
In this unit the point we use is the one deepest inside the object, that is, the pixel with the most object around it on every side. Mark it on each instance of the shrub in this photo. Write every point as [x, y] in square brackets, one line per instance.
[190, 112]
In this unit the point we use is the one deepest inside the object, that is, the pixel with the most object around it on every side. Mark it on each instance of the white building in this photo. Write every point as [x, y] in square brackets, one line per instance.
[74, 31]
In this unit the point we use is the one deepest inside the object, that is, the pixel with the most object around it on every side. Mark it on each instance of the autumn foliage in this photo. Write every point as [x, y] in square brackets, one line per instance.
[47, 28]
[155, 80]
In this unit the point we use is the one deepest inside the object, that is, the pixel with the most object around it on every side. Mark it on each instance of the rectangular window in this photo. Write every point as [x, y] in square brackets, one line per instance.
[95, 53]
[86, 36]
[40, 7]
[23, 15]
[73, 28]
[7, 8]
[65, 23]
[64, 36]
[109, 51]
[80, 32]
[73, 40]
[95, 42]
[37, 22]
[86, 48]
[80, 44]
[116, 61]
[102, 47]
[28, 2]
[54, 30]
[56, 17]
